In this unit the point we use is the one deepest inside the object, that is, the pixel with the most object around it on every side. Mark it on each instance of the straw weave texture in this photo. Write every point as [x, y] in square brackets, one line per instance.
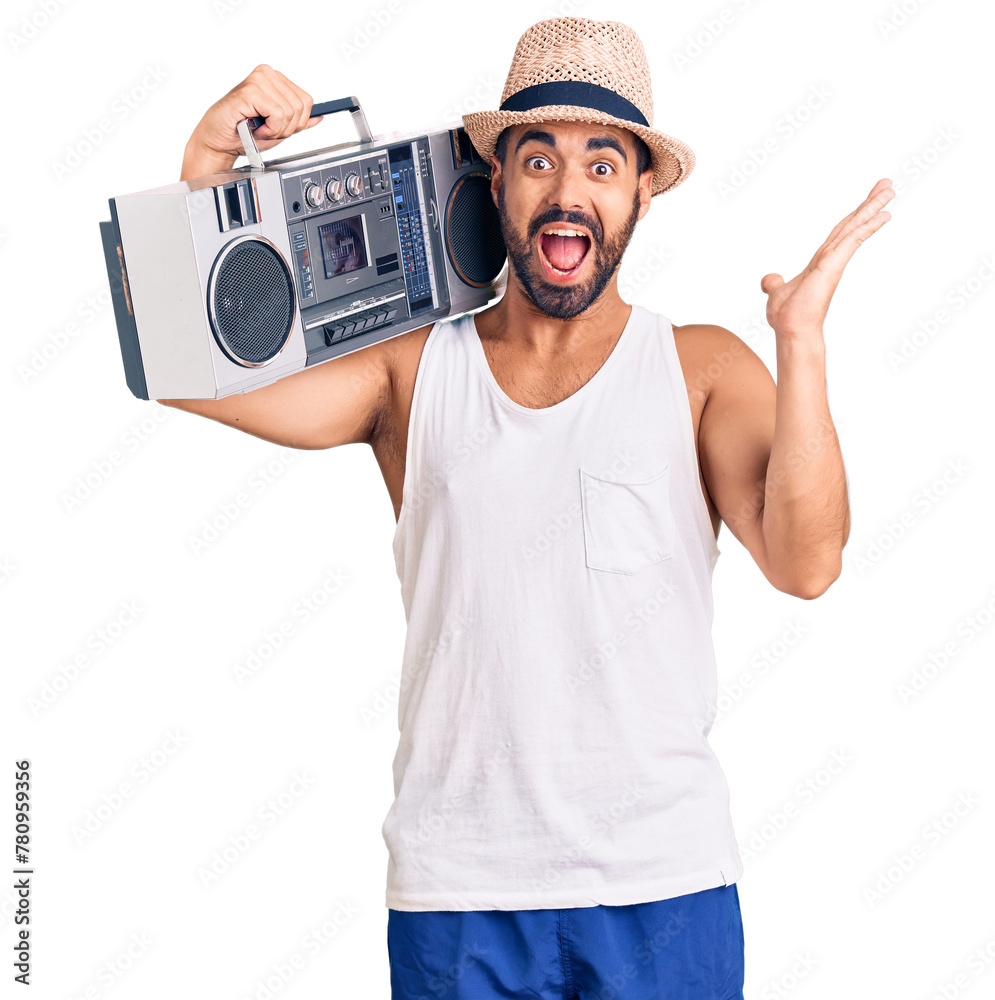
[608, 54]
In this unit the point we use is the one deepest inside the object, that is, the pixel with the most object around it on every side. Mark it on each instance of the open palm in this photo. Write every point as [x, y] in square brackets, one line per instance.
[799, 306]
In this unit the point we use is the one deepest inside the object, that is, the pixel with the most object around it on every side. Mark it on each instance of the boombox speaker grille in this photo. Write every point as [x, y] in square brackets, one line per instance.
[473, 231]
[251, 300]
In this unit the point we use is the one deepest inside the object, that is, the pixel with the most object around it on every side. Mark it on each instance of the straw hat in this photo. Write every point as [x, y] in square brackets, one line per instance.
[577, 70]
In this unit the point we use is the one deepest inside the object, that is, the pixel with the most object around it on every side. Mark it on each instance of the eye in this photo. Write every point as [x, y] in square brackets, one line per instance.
[603, 163]
[531, 159]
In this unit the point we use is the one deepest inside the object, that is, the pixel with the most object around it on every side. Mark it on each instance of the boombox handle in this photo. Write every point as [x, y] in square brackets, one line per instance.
[329, 107]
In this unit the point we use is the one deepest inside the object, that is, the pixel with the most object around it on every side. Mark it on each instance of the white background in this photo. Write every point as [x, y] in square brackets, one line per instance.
[905, 100]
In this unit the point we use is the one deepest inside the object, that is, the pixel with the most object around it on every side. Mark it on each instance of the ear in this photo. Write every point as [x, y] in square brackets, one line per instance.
[645, 191]
[496, 178]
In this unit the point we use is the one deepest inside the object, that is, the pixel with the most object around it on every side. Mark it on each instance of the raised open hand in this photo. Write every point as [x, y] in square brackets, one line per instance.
[798, 307]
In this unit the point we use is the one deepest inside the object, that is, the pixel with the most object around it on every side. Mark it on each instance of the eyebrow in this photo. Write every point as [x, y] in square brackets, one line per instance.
[595, 142]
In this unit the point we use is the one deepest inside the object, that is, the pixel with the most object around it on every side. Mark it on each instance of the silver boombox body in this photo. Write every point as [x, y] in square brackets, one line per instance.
[231, 281]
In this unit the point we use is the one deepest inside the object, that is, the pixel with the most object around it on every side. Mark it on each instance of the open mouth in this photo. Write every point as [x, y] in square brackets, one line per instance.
[563, 250]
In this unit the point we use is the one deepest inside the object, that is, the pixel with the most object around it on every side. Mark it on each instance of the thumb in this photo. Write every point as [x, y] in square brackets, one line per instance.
[770, 282]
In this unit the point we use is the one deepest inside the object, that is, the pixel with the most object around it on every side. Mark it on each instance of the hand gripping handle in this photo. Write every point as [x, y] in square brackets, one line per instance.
[351, 104]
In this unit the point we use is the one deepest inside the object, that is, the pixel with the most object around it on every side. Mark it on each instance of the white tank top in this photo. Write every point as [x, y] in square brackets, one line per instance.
[558, 680]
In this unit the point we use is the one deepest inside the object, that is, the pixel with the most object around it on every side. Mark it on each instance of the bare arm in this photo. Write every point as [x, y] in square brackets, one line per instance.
[772, 464]
[215, 143]
[774, 467]
[341, 401]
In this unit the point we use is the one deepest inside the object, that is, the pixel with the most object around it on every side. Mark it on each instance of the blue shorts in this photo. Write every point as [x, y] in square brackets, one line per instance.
[685, 948]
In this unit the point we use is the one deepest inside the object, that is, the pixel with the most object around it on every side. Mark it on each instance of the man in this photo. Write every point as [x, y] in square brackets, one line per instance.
[559, 464]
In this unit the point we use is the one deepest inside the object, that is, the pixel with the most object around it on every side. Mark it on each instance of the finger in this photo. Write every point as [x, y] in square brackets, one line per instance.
[770, 282]
[274, 99]
[836, 257]
[303, 102]
[852, 237]
[879, 196]
[307, 103]
[283, 122]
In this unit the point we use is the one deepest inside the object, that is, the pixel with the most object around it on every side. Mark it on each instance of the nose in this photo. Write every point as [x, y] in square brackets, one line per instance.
[567, 190]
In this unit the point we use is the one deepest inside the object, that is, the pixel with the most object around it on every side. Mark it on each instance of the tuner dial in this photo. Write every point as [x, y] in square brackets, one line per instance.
[314, 195]
[334, 189]
[354, 184]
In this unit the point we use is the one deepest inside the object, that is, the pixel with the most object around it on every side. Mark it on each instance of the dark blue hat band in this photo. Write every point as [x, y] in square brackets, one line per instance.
[575, 92]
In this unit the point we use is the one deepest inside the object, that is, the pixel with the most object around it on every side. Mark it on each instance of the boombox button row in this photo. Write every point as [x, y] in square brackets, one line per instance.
[334, 332]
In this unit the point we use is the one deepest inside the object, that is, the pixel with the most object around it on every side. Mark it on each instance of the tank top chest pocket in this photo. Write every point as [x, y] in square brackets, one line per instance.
[628, 526]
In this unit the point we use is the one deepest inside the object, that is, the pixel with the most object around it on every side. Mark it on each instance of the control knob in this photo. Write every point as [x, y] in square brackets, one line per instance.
[354, 184]
[314, 195]
[334, 189]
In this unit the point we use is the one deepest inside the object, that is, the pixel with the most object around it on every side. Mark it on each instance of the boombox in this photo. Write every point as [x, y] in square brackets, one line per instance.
[231, 281]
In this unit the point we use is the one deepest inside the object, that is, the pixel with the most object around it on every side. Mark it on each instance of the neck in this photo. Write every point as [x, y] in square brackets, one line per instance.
[517, 322]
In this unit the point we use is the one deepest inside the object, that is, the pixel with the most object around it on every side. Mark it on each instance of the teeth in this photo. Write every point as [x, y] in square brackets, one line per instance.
[563, 232]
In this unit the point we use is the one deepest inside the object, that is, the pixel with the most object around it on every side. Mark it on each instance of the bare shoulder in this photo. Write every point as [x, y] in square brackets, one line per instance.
[708, 353]
[403, 353]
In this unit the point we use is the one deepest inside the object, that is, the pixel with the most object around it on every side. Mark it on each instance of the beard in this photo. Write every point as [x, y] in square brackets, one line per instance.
[565, 301]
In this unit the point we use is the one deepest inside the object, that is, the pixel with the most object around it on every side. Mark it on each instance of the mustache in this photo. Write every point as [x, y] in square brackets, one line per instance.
[577, 218]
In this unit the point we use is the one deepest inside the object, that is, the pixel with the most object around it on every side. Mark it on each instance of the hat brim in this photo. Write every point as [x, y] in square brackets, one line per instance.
[673, 160]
